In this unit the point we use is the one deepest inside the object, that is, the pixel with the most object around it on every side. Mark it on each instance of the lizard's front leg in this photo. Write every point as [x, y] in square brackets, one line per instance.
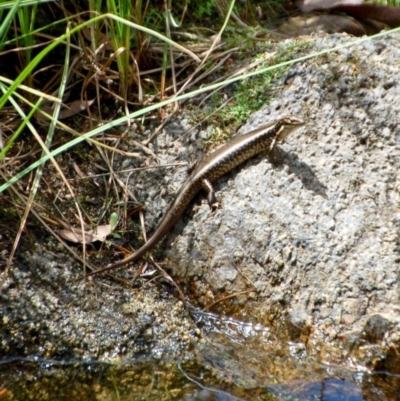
[213, 202]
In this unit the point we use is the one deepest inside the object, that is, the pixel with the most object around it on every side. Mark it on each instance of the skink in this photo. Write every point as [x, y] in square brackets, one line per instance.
[210, 168]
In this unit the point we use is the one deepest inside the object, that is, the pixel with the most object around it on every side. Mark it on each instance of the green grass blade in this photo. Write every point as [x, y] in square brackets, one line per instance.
[4, 27]
[22, 3]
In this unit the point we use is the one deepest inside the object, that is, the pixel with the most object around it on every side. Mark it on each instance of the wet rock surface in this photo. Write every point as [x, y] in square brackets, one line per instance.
[46, 313]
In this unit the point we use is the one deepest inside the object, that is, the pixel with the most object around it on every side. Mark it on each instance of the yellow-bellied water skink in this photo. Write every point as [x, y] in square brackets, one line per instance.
[208, 169]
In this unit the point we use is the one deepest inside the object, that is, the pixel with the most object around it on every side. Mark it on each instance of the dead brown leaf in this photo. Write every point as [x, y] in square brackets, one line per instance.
[385, 14]
[75, 235]
[75, 107]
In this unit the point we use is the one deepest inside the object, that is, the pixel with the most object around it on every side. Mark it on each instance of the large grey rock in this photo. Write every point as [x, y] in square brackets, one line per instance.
[316, 237]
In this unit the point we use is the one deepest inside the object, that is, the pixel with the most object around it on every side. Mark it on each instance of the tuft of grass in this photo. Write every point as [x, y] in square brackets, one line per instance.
[26, 41]
[253, 92]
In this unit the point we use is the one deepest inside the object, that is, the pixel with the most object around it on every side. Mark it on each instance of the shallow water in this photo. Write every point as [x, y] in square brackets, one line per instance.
[238, 361]
[190, 381]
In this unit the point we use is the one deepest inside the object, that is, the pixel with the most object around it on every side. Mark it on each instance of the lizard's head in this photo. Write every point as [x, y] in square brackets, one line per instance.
[287, 125]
